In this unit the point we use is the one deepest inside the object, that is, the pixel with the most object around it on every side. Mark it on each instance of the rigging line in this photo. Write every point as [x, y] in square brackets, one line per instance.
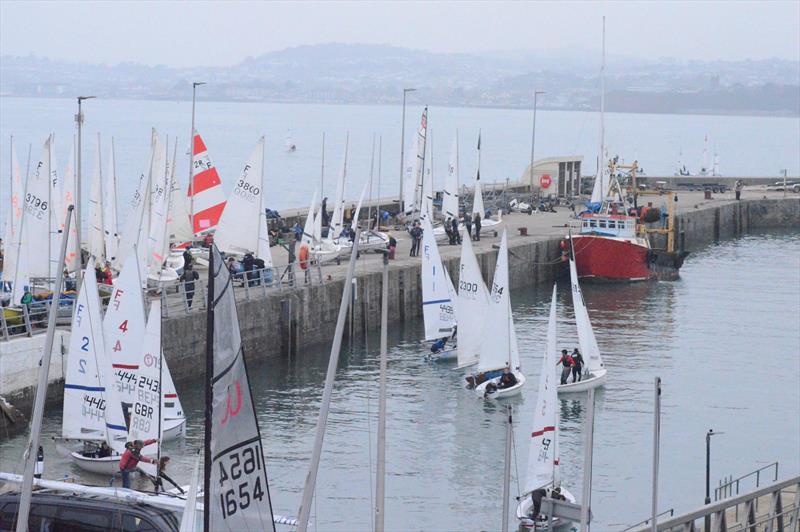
[369, 445]
[516, 461]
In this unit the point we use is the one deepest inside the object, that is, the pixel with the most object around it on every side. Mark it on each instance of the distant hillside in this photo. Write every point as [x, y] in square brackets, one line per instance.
[357, 73]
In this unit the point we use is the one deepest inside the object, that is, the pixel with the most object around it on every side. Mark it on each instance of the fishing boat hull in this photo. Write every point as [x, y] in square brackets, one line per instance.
[595, 379]
[501, 393]
[99, 466]
[613, 259]
[525, 507]
[446, 355]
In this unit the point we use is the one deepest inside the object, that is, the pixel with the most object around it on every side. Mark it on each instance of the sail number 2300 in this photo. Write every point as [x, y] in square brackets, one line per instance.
[241, 470]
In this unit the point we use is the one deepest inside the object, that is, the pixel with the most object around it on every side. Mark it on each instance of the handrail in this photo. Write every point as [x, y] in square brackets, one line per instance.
[725, 489]
[671, 512]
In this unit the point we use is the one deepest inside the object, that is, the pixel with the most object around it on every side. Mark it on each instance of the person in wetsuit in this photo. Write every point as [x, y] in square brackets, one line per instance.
[577, 367]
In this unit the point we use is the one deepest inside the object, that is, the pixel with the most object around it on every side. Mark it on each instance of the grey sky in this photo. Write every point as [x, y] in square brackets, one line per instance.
[222, 33]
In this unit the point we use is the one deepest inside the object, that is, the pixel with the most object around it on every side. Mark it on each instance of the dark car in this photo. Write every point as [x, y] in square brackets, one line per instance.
[59, 512]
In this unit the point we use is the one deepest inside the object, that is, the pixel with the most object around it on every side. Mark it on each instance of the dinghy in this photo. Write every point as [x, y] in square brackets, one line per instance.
[543, 456]
[450, 196]
[472, 304]
[595, 373]
[499, 349]
[438, 307]
[477, 200]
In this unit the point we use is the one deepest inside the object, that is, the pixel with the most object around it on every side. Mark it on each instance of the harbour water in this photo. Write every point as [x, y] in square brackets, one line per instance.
[724, 339]
[747, 145]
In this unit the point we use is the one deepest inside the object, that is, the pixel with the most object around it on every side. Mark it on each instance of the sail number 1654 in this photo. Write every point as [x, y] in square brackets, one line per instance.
[236, 472]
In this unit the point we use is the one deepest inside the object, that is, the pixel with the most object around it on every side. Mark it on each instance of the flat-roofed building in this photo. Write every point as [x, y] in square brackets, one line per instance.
[557, 176]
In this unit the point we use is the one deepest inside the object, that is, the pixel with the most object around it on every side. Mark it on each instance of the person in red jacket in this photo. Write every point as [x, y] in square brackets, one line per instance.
[131, 458]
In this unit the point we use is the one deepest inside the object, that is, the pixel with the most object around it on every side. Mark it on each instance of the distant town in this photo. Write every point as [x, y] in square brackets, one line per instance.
[375, 74]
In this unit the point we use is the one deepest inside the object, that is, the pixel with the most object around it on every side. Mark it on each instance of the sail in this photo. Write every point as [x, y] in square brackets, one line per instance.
[542, 452]
[71, 260]
[336, 223]
[409, 183]
[206, 197]
[138, 218]
[55, 209]
[477, 198]
[84, 401]
[110, 231]
[37, 216]
[438, 309]
[450, 196]
[473, 300]
[586, 338]
[238, 497]
[124, 329]
[96, 232]
[15, 265]
[171, 407]
[419, 163]
[180, 225]
[496, 346]
[243, 222]
[157, 243]
[357, 213]
[601, 184]
[189, 517]
[308, 228]
[451, 291]
[427, 185]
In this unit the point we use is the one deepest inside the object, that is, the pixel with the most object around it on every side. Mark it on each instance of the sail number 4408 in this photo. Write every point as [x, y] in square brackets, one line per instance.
[241, 472]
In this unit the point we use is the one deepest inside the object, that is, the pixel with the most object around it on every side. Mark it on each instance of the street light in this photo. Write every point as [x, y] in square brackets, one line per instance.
[708, 473]
[402, 148]
[533, 133]
[79, 121]
[195, 84]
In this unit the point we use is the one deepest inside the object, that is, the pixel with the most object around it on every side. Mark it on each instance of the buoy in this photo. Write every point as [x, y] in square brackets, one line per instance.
[303, 255]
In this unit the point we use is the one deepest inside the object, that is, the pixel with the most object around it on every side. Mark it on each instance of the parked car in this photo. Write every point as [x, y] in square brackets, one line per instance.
[792, 185]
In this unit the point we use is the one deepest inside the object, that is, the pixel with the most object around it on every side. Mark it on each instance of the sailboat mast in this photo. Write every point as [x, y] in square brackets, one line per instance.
[380, 469]
[378, 206]
[322, 169]
[50, 209]
[333, 362]
[41, 389]
[507, 471]
[601, 169]
[208, 392]
[371, 175]
[115, 221]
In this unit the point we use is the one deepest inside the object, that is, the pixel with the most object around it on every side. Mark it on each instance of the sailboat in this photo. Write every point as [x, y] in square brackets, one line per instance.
[206, 197]
[477, 198]
[290, 145]
[595, 370]
[15, 263]
[438, 305]
[472, 304]
[236, 488]
[543, 456]
[450, 194]
[499, 349]
[242, 228]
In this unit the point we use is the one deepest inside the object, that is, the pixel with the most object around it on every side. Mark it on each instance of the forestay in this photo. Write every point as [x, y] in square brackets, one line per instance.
[543, 450]
[586, 338]
[238, 492]
[496, 349]
[473, 301]
[438, 309]
[84, 393]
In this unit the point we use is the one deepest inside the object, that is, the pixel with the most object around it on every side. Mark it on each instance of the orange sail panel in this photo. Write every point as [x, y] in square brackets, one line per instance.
[206, 196]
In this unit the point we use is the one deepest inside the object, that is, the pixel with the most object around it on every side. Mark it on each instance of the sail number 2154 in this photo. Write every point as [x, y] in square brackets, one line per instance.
[241, 479]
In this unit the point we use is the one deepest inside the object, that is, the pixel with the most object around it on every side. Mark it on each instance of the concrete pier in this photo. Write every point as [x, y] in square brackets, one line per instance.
[286, 322]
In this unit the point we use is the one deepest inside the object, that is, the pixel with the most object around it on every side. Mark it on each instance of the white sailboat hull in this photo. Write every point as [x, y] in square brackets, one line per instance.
[446, 355]
[501, 393]
[525, 507]
[174, 428]
[595, 379]
[99, 466]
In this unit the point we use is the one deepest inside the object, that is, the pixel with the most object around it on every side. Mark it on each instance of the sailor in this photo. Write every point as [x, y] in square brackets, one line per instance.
[188, 277]
[104, 451]
[541, 493]
[577, 368]
[162, 474]
[131, 458]
[187, 256]
[468, 224]
[737, 187]
[507, 380]
[456, 235]
[566, 363]
[438, 345]
[448, 228]
[38, 469]
[477, 222]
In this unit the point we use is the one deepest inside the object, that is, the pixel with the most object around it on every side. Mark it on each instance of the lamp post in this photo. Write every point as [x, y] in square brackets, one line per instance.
[708, 474]
[402, 149]
[785, 171]
[533, 133]
[79, 121]
[195, 84]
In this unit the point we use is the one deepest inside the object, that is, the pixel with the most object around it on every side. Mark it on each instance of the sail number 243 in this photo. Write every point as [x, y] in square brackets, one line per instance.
[241, 472]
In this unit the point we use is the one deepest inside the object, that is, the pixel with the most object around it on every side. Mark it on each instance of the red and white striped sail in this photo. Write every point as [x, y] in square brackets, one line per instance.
[206, 197]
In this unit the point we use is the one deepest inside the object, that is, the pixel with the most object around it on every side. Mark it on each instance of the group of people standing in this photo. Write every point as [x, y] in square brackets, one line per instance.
[472, 225]
[571, 363]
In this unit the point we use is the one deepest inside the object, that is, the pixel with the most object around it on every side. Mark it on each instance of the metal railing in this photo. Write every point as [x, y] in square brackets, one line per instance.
[730, 486]
[780, 516]
[27, 320]
[671, 512]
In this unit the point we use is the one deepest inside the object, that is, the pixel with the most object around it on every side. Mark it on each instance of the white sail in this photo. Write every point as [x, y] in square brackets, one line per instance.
[157, 242]
[124, 329]
[419, 164]
[336, 223]
[357, 213]
[96, 224]
[15, 265]
[37, 216]
[451, 291]
[473, 301]
[477, 199]
[137, 222]
[110, 230]
[171, 407]
[240, 226]
[308, 228]
[317, 224]
[55, 210]
[450, 196]
[180, 225]
[68, 197]
[601, 184]
[84, 393]
[438, 309]
[427, 186]
[496, 346]
[189, 517]
[409, 182]
[238, 497]
[586, 338]
[543, 449]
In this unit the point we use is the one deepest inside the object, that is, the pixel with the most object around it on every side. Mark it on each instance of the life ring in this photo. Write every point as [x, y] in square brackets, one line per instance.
[303, 256]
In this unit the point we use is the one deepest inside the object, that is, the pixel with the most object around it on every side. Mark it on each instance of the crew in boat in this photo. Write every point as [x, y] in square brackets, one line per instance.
[131, 458]
[566, 365]
[104, 451]
[438, 345]
[577, 368]
[162, 474]
[541, 493]
[507, 380]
